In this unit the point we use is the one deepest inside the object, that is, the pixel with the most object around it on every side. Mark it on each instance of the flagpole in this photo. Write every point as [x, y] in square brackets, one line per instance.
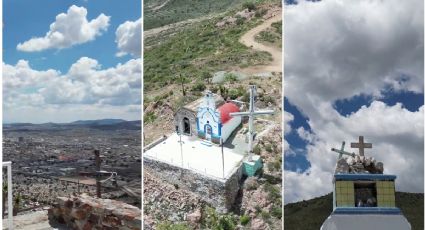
[181, 148]
[222, 154]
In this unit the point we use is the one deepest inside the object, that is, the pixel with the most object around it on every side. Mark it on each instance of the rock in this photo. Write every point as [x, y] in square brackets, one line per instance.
[251, 183]
[342, 166]
[93, 213]
[259, 224]
[195, 217]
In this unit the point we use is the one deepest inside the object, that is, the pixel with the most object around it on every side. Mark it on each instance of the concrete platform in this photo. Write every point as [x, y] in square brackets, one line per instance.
[197, 156]
[34, 221]
[360, 221]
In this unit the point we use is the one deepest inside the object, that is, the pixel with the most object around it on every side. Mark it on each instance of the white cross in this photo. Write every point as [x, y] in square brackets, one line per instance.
[251, 114]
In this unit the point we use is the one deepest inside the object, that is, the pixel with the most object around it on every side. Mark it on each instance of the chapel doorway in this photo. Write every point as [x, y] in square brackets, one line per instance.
[208, 132]
[186, 126]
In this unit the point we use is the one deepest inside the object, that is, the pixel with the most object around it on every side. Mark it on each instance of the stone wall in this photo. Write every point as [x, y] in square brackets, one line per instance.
[219, 193]
[185, 113]
[85, 212]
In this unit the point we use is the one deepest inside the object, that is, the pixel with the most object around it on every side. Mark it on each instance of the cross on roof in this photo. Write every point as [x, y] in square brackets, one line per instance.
[361, 145]
[251, 114]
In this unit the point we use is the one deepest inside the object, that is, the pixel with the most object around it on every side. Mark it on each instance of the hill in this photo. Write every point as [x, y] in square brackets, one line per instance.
[98, 122]
[310, 214]
[163, 12]
[102, 124]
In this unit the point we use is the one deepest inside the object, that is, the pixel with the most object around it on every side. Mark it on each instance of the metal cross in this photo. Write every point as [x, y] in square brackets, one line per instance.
[361, 145]
[251, 114]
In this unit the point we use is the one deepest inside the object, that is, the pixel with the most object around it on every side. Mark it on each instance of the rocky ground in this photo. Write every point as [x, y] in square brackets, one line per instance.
[165, 202]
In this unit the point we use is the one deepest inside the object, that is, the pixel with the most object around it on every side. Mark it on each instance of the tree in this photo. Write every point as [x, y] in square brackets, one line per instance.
[207, 76]
[182, 80]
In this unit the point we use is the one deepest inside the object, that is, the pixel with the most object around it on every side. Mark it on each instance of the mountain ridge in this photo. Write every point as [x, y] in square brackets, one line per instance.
[103, 124]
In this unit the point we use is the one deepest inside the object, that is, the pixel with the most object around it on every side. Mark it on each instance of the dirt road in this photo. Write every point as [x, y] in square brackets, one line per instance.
[248, 39]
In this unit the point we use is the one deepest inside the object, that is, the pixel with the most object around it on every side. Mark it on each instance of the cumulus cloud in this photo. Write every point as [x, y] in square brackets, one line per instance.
[70, 28]
[339, 49]
[85, 83]
[288, 118]
[129, 38]
[397, 137]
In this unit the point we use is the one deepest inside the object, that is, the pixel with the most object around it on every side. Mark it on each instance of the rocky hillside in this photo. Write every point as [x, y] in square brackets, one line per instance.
[312, 213]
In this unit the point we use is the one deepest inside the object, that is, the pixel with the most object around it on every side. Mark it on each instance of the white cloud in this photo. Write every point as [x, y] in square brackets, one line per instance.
[129, 38]
[288, 118]
[338, 49]
[69, 29]
[397, 137]
[346, 48]
[85, 84]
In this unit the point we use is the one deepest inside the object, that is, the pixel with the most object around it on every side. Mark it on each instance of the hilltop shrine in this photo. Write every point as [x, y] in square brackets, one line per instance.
[209, 152]
[363, 196]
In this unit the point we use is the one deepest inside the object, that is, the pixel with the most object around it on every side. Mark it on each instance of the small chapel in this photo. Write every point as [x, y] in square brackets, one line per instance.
[208, 118]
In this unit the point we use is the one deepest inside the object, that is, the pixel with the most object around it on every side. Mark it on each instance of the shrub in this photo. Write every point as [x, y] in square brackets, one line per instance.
[244, 220]
[257, 150]
[149, 117]
[269, 148]
[199, 87]
[250, 184]
[269, 99]
[260, 13]
[230, 77]
[169, 226]
[240, 21]
[223, 91]
[214, 89]
[215, 221]
[249, 5]
[265, 215]
[277, 26]
[276, 211]
[273, 192]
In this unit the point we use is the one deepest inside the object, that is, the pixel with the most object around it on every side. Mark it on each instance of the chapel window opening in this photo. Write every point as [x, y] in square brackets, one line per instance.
[365, 194]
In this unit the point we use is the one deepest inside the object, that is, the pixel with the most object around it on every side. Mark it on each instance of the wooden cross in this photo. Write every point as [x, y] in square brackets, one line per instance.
[98, 174]
[361, 145]
[251, 114]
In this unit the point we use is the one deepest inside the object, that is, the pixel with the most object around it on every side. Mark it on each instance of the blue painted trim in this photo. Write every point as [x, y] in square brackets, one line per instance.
[364, 177]
[367, 210]
[219, 128]
[214, 115]
[197, 125]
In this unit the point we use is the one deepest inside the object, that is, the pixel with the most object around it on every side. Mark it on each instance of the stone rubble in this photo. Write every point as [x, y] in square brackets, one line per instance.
[163, 201]
[85, 212]
[359, 164]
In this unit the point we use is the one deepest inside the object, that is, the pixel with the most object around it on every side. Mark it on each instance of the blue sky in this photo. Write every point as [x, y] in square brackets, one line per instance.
[349, 73]
[24, 20]
[409, 100]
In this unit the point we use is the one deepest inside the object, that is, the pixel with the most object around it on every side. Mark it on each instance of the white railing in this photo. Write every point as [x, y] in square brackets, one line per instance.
[8, 165]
